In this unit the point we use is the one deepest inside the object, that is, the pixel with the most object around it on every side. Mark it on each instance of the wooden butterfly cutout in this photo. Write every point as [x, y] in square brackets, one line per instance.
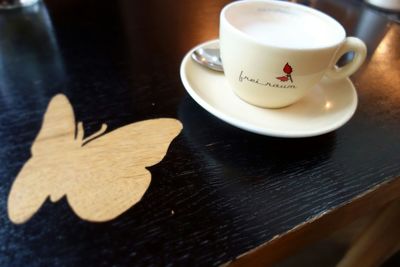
[101, 177]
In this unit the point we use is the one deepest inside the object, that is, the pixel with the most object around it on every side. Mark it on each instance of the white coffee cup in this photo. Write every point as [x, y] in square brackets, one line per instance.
[275, 52]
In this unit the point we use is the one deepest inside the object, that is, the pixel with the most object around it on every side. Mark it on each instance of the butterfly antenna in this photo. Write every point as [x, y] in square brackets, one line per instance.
[96, 134]
[80, 133]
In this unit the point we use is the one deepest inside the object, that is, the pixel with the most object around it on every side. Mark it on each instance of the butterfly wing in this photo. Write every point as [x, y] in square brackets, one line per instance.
[36, 179]
[58, 127]
[113, 176]
[27, 194]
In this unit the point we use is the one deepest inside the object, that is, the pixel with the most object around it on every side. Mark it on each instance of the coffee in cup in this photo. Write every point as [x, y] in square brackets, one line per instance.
[275, 52]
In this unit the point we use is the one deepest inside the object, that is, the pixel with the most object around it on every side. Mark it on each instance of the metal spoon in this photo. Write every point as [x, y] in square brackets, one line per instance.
[208, 57]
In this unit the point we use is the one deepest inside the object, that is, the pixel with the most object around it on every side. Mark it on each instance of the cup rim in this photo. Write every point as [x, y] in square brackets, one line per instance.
[282, 4]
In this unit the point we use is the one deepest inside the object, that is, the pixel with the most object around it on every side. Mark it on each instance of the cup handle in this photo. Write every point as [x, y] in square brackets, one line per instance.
[360, 52]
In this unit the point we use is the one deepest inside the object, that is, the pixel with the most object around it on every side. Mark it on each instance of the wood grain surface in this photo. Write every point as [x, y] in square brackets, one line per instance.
[219, 192]
[379, 241]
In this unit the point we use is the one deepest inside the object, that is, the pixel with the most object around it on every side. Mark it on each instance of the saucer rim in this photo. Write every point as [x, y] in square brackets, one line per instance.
[244, 125]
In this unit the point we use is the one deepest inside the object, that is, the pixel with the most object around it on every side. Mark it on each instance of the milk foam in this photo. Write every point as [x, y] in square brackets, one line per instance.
[282, 34]
[285, 27]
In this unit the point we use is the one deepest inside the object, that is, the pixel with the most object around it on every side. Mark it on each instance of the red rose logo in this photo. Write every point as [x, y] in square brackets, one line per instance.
[288, 70]
[283, 78]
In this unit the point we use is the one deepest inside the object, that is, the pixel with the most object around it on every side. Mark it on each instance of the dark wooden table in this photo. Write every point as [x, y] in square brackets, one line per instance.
[220, 192]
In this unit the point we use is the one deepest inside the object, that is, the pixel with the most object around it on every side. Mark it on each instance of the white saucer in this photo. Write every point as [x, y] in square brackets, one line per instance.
[327, 107]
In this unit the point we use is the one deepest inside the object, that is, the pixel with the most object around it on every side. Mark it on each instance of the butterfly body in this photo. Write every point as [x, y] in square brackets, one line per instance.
[101, 176]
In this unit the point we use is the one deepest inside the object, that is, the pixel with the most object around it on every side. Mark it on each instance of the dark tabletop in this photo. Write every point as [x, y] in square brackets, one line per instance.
[220, 191]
